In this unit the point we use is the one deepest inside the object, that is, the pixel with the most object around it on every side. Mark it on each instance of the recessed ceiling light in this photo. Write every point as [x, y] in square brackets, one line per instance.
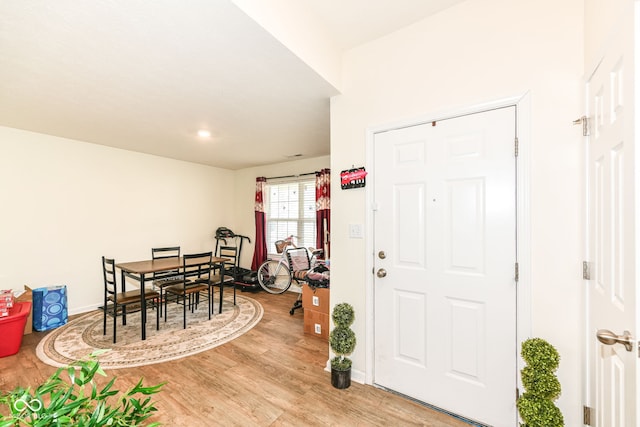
[203, 133]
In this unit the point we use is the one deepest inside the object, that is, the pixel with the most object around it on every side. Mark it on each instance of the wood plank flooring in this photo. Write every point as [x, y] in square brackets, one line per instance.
[271, 376]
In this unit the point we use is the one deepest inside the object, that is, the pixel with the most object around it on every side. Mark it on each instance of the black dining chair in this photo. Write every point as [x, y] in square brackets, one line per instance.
[196, 272]
[232, 271]
[116, 301]
[218, 281]
[162, 279]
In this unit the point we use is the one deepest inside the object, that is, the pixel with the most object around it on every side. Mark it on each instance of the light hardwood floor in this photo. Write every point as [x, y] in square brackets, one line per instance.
[271, 376]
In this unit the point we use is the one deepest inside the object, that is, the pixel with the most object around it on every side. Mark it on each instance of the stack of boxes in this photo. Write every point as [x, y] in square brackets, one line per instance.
[315, 302]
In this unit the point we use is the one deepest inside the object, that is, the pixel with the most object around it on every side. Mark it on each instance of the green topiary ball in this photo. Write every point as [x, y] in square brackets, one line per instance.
[343, 315]
[540, 354]
[537, 412]
[340, 363]
[342, 340]
[543, 384]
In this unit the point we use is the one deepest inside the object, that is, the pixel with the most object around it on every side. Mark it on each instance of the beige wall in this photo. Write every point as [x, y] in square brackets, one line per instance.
[291, 23]
[66, 203]
[244, 195]
[477, 52]
[600, 16]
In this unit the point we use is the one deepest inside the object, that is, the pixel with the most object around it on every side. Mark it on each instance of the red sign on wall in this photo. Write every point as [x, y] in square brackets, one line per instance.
[353, 178]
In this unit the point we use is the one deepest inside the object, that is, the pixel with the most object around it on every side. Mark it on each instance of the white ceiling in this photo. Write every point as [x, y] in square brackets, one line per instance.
[146, 75]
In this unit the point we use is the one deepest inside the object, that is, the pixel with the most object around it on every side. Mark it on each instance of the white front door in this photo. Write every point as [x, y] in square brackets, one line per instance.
[445, 256]
[612, 234]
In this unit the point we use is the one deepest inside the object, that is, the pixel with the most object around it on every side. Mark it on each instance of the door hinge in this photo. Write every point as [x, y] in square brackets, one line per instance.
[584, 121]
[516, 146]
[517, 394]
[586, 415]
[517, 272]
[586, 270]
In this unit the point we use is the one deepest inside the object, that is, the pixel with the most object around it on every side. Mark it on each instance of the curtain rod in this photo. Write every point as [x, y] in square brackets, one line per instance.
[291, 176]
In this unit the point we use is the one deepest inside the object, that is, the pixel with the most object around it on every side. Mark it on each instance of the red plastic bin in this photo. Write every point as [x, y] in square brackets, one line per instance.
[12, 328]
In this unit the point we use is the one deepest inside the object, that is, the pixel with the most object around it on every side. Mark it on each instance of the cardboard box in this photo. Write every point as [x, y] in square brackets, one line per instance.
[27, 296]
[316, 299]
[315, 302]
[316, 324]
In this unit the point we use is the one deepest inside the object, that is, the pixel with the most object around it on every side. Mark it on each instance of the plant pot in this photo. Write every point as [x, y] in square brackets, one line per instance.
[341, 379]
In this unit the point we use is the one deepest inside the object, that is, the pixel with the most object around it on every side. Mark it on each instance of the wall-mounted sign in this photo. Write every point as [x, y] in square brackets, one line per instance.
[353, 178]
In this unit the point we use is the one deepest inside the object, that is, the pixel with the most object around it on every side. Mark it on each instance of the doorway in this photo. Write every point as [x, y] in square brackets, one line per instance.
[446, 266]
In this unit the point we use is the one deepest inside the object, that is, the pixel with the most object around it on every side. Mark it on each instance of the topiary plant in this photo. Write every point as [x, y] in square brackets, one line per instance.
[342, 339]
[542, 387]
[75, 400]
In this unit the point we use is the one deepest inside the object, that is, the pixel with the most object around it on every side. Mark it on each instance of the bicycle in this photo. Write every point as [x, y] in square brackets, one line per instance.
[274, 276]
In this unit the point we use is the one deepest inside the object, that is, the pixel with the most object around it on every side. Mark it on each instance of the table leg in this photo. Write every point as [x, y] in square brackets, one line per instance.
[143, 307]
[115, 308]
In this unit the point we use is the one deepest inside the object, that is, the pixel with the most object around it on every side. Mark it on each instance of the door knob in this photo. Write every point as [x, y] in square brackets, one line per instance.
[607, 337]
[381, 273]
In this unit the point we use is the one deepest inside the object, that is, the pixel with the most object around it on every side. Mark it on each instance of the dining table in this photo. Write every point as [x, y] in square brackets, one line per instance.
[140, 271]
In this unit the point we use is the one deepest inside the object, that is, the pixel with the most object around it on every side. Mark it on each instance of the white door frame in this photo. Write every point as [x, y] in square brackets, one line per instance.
[523, 131]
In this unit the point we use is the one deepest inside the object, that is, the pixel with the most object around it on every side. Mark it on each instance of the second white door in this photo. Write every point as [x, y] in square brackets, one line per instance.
[445, 264]
[612, 298]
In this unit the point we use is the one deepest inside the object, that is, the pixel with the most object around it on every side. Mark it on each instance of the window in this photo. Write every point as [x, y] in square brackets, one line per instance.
[291, 210]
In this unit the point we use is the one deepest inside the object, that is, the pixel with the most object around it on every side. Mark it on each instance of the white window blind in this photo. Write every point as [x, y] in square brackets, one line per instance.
[291, 210]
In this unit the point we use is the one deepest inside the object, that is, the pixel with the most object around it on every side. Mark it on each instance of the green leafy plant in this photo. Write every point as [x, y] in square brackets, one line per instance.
[342, 339]
[70, 397]
[542, 387]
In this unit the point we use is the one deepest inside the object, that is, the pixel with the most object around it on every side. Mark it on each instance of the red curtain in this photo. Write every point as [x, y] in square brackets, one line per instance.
[260, 249]
[323, 210]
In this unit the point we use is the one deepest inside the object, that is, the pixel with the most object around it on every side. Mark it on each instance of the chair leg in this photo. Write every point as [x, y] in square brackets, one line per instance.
[160, 300]
[234, 293]
[165, 308]
[296, 305]
[184, 310]
[115, 320]
[220, 303]
[158, 306]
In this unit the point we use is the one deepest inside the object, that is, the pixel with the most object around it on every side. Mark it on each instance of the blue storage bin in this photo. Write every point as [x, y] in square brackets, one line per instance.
[49, 307]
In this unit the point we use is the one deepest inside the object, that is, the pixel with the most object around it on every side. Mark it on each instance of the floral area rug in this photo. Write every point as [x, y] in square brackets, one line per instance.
[84, 335]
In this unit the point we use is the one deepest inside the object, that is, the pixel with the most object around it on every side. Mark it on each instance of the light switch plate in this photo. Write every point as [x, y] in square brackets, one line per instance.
[318, 328]
[355, 231]
[315, 300]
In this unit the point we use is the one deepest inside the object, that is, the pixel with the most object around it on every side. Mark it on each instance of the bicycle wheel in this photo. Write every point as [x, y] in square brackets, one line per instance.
[274, 277]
